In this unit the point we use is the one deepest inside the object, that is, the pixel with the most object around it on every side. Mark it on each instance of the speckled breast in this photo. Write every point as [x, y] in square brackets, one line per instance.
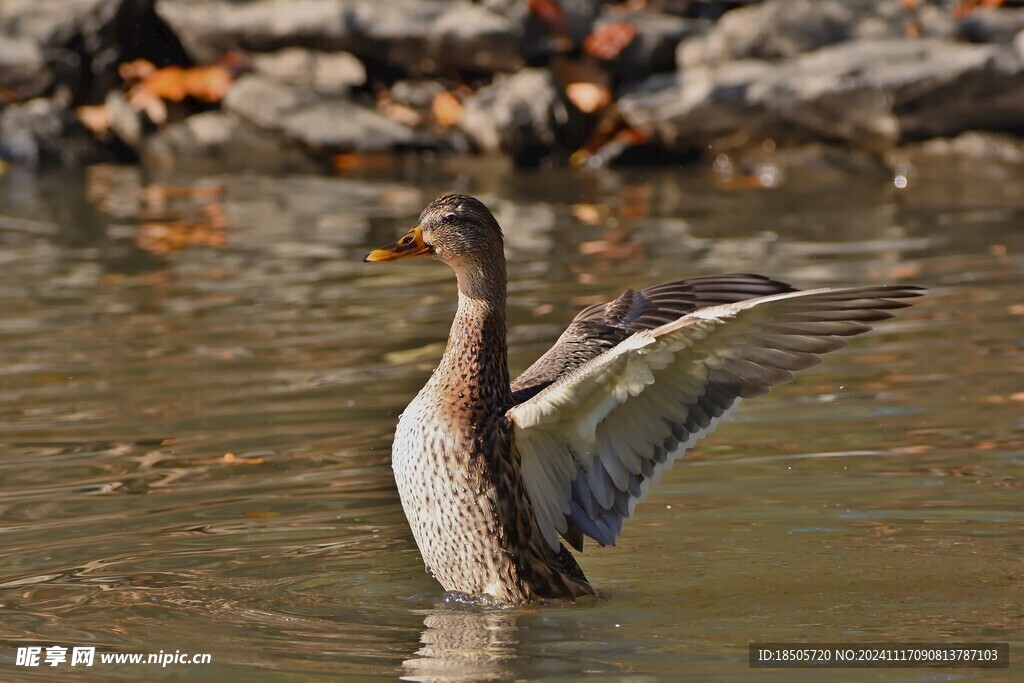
[452, 516]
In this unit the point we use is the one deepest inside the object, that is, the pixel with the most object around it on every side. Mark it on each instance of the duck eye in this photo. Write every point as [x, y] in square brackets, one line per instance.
[448, 219]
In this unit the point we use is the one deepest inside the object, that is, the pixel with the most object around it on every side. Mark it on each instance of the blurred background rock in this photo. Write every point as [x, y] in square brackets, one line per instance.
[311, 85]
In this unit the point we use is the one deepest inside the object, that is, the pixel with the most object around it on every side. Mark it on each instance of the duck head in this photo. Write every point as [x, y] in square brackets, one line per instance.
[454, 228]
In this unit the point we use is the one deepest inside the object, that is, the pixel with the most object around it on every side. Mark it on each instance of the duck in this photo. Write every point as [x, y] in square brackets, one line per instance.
[496, 476]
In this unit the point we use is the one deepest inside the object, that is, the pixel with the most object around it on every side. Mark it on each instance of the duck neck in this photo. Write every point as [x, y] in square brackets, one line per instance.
[475, 363]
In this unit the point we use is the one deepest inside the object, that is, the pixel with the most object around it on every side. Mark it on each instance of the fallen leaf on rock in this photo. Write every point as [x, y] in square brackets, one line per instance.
[609, 40]
[175, 83]
[550, 13]
[447, 109]
[586, 83]
[589, 98]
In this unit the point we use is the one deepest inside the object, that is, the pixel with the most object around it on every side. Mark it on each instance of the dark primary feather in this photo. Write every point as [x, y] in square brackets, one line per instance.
[600, 327]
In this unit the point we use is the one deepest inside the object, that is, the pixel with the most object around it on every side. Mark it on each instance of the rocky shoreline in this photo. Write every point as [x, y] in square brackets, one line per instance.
[304, 85]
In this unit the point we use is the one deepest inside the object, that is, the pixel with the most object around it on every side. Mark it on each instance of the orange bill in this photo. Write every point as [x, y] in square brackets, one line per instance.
[410, 244]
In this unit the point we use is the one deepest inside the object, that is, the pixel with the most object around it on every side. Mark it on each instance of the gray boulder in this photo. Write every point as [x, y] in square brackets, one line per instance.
[326, 73]
[867, 93]
[991, 25]
[516, 115]
[321, 125]
[53, 23]
[44, 132]
[22, 69]
[340, 126]
[783, 29]
[775, 29]
[419, 36]
[75, 35]
[216, 141]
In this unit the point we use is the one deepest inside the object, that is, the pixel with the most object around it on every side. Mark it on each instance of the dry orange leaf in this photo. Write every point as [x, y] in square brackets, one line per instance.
[94, 117]
[175, 83]
[609, 40]
[550, 13]
[447, 109]
[588, 97]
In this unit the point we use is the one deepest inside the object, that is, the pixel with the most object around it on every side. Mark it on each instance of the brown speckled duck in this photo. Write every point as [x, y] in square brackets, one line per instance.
[491, 472]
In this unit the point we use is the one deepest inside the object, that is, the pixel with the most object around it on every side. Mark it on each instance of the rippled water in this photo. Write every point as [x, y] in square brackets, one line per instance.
[199, 380]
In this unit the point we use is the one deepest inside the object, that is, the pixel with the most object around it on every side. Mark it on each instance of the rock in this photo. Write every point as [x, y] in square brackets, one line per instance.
[324, 125]
[580, 16]
[54, 23]
[76, 36]
[335, 73]
[776, 29]
[419, 36]
[468, 36]
[998, 25]
[516, 115]
[25, 128]
[263, 101]
[126, 122]
[217, 141]
[22, 69]
[43, 132]
[867, 93]
[326, 73]
[418, 94]
[654, 47]
[341, 126]
[783, 29]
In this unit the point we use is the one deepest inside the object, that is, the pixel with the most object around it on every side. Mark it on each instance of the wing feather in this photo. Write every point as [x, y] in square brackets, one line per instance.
[592, 441]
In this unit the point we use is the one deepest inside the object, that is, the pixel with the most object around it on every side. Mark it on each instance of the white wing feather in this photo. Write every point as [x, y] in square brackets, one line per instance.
[592, 442]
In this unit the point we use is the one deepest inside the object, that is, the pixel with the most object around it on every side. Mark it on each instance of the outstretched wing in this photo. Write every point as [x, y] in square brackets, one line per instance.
[601, 327]
[592, 441]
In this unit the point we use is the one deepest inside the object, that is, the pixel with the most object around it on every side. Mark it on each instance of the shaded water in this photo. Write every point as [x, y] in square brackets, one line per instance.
[199, 380]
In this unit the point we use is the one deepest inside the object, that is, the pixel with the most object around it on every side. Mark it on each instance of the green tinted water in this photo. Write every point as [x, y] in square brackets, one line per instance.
[199, 380]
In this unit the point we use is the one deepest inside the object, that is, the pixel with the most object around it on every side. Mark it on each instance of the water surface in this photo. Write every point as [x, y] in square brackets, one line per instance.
[199, 380]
